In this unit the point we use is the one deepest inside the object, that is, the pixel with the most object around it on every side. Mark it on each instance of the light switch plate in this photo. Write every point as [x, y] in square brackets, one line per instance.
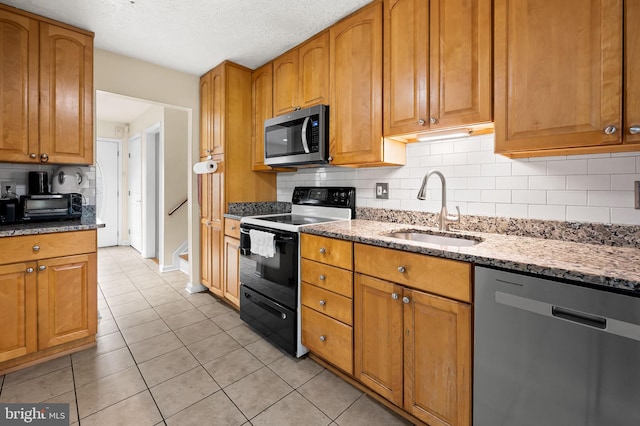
[636, 191]
[382, 191]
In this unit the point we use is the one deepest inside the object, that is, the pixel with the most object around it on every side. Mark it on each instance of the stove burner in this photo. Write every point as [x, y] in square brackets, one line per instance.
[294, 219]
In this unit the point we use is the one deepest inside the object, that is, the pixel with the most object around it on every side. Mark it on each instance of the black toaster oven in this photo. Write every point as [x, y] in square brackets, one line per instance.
[51, 207]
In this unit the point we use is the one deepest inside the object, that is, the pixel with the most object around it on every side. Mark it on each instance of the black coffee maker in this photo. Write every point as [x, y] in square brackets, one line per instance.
[38, 183]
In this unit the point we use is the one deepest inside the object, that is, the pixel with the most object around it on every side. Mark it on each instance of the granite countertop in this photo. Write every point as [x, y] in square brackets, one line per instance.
[599, 265]
[50, 227]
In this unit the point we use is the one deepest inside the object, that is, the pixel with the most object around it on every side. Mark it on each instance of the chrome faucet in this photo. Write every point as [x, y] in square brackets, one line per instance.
[445, 217]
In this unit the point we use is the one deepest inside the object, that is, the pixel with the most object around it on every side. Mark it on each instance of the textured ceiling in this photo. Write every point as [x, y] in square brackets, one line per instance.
[193, 36]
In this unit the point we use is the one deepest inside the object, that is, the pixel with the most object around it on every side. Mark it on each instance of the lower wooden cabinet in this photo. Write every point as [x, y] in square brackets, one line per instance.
[67, 295]
[18, 314]
[48, 295]
[231, 279]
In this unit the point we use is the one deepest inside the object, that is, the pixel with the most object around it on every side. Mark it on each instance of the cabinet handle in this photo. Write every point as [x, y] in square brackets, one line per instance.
[406, 300]
[42, 268]
[322, 303]
[634, 130]
[609, 130]
[36, 248]
[322, 250]
[433, 120]
[421, 122]
[29, 270]
[32, 155]
[394, 296]
[322, 277]
[44, 158]
[323, 338]
[401, 269]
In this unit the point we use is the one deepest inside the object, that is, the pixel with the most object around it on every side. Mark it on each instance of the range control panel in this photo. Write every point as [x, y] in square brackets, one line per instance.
[325, 196]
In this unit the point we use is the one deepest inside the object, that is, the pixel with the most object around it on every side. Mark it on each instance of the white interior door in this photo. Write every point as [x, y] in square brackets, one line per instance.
[107, 194]
[135, 193]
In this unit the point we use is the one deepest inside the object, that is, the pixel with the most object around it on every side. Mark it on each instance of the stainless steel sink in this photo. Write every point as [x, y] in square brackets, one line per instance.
[435, 238]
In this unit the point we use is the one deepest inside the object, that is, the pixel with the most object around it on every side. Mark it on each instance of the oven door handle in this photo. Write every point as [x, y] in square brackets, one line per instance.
[276, 236]
[266, 307]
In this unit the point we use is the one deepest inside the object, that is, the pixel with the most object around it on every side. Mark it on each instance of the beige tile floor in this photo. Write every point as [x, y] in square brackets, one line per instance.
[165, 356]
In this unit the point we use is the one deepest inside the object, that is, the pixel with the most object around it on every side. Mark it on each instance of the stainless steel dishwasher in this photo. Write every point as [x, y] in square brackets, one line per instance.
[553, 353]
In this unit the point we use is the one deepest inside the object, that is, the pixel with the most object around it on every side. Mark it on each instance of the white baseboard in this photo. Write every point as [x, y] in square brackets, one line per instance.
[195, 288]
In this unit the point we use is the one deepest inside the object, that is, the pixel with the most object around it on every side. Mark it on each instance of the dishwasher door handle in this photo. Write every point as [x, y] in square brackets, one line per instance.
[579, 317]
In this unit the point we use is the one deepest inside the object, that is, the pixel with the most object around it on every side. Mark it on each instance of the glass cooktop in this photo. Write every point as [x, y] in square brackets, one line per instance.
[294, 219]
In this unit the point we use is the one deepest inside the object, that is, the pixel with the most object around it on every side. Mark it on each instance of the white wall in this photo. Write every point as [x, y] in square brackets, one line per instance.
[131, 77]
[583, 188]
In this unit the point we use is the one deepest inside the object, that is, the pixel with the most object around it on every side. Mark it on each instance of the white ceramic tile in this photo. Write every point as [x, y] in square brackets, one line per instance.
[547, 182]
[496, 169]
[588, 214]
[624, 182]
[595, 182]
[567, 198]
[441, 148]
[495, 196]
[453, 159]
[481, 209]
[567, 167]
[512, 210]
[625, 216]
[546, 212]
[512, 182]
[522, 168]
[605, 166]
[528, 196]
[611, 199]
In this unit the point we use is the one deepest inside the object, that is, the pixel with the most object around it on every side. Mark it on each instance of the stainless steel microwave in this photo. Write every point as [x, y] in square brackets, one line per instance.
[299, 138]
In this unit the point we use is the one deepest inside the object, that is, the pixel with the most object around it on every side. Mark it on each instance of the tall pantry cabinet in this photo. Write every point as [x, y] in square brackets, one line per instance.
[225, 137]
[46, 89]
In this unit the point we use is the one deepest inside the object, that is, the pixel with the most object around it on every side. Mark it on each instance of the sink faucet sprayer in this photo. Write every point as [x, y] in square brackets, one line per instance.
[445, 217]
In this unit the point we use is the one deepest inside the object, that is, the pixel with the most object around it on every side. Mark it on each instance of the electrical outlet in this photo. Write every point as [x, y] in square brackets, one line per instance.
[382, 191]
[636, 191]
[7, 185]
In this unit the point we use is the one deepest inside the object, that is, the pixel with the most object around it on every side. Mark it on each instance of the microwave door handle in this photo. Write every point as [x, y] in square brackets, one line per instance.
[305, 144]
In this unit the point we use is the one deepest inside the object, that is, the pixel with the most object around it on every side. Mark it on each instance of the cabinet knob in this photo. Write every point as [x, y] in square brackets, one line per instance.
[233, 227]
[635, 129]
[394, 296]
[322, 303]
[33, 155]
[322, 277]
[406, 299]
[322, 250]
[323, 338]
[44, 158]
[29, 270]
[36, 248]
[401, 269]
[42, 268]
[609, 130]
[421, 122]
[433, 120]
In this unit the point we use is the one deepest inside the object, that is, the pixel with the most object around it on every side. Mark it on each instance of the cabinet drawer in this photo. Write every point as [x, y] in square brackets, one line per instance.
[44, 246]
[328, 303]
[327, 250]
[329, 277]
[328, 338]
[232, 228]
[445, 277]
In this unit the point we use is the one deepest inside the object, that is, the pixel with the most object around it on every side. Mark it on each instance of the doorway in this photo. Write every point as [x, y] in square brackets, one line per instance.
[107, 193]
[151, 184]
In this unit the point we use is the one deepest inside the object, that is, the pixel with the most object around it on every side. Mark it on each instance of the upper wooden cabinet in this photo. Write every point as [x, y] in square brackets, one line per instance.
[356, 92]
[262, 107]
[632, 73]
[212, 111]
[558, 76]
[437, 64]
[301, 76]
[47, 83]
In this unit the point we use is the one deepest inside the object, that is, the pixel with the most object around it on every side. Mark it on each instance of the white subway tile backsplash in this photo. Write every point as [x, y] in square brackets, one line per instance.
[594, 188]
[588, 214]
[529, 197]
[611, 198]
[588, 182]
[606, 166]
[567, 198]
[547, 182]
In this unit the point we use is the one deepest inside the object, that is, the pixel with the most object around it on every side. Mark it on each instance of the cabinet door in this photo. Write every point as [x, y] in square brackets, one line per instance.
[632, 72]
[262, 100]
[558, 74]
[356, 88]
[211, 257]
[232, 270]
[406, 50]
[18, 313]
[460, 65]
[285, 83]
[67, 299]
[218, 110]
[313, 71]
[18, 88]
[378, 336]
[66, 96]
[206, 117]
[437, 370]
